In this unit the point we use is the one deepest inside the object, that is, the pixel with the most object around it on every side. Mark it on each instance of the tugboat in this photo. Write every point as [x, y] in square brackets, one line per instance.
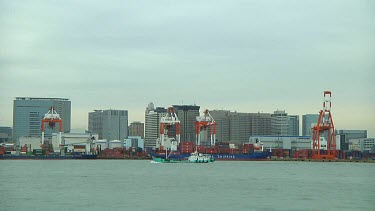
[196, 157]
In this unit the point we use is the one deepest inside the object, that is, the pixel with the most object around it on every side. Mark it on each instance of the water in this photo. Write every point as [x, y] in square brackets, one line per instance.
[140, 185]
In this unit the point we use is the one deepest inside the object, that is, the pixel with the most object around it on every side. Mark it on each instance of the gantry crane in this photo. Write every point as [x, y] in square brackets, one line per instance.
[324, 126]
[205, 121]
[51, 118]
[168, 121]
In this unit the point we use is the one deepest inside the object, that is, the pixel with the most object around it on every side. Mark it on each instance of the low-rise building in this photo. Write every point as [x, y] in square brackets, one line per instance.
[134, 142]
[30, 142]
[362, 144]
[283, 142]
[345, 135]
[75, 142]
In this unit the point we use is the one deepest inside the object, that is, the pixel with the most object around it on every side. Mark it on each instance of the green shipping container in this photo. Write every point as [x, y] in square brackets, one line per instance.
[39, 152]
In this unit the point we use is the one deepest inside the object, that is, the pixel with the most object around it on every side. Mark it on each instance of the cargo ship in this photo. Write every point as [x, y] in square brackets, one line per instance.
[222, 157]
[220, 152]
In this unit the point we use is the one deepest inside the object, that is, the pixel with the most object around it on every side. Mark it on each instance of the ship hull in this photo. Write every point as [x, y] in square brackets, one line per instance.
[256, 156]
[163, 160]
[242, 157]
[41, 157]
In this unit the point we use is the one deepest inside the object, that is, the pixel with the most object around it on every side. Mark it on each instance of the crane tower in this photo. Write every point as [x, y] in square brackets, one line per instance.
[166, 122]
[51, 117]
[324, 126]
[205, 121]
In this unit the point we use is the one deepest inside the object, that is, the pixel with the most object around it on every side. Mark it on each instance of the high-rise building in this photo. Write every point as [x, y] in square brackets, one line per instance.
[187, 115]
[6, 134]
[152, 124]
[346, 135]
[239, 127]
[260, 124]
[222, 120]
[293, 125]
[96, 122]
[111, 124]
[308, 121]
[136, 129]
[279, 123]
[28, 113]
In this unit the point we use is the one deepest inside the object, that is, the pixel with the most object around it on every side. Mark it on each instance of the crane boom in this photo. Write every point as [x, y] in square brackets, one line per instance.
[205, 121]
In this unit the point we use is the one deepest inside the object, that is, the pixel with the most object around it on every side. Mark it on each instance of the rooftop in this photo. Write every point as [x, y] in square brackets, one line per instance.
[41, 98]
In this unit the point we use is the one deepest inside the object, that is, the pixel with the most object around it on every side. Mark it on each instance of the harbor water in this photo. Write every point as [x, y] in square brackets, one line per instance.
[140, 185]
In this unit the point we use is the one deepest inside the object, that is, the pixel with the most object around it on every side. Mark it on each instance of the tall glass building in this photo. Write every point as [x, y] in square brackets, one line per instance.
[28, 113]
[152, 124]
[187, 115]
[293, 125]
[239, 127]
[109, 124]
[279, 123]
[308, 120]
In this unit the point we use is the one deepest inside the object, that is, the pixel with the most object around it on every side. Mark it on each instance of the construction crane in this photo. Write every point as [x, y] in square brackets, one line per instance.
[168, 121]
[324, 126]
[51, 117]
[204, 122]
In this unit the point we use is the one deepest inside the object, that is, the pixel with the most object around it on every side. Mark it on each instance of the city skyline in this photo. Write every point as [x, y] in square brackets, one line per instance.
[300, 124]
[248, 57]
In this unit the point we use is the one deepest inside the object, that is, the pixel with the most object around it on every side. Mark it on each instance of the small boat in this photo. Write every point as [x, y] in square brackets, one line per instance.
[196, 157]
[166, 160]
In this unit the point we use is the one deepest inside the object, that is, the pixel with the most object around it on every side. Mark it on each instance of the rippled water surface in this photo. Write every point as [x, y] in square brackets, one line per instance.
[141, 185]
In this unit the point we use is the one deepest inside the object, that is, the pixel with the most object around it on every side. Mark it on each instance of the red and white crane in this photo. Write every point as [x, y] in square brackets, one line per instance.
[324, 126]
[168, 121]
[51, 118]
[204, 122]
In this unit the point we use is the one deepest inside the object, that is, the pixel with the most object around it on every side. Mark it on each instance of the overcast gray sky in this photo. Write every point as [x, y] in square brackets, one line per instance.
[247, 56]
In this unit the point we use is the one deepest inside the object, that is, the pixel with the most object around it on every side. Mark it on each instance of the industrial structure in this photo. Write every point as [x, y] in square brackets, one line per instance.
[166, 123]
[324, 125]
[51, 117]
[205, 122]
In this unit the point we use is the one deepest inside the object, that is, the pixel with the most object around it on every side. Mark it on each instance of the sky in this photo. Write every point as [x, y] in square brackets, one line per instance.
[244, 56]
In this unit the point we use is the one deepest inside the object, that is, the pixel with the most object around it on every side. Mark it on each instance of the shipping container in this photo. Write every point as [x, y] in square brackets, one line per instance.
[286, 153]
[234, 151]
[187, 143]
[79, 150]
[39, 152]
